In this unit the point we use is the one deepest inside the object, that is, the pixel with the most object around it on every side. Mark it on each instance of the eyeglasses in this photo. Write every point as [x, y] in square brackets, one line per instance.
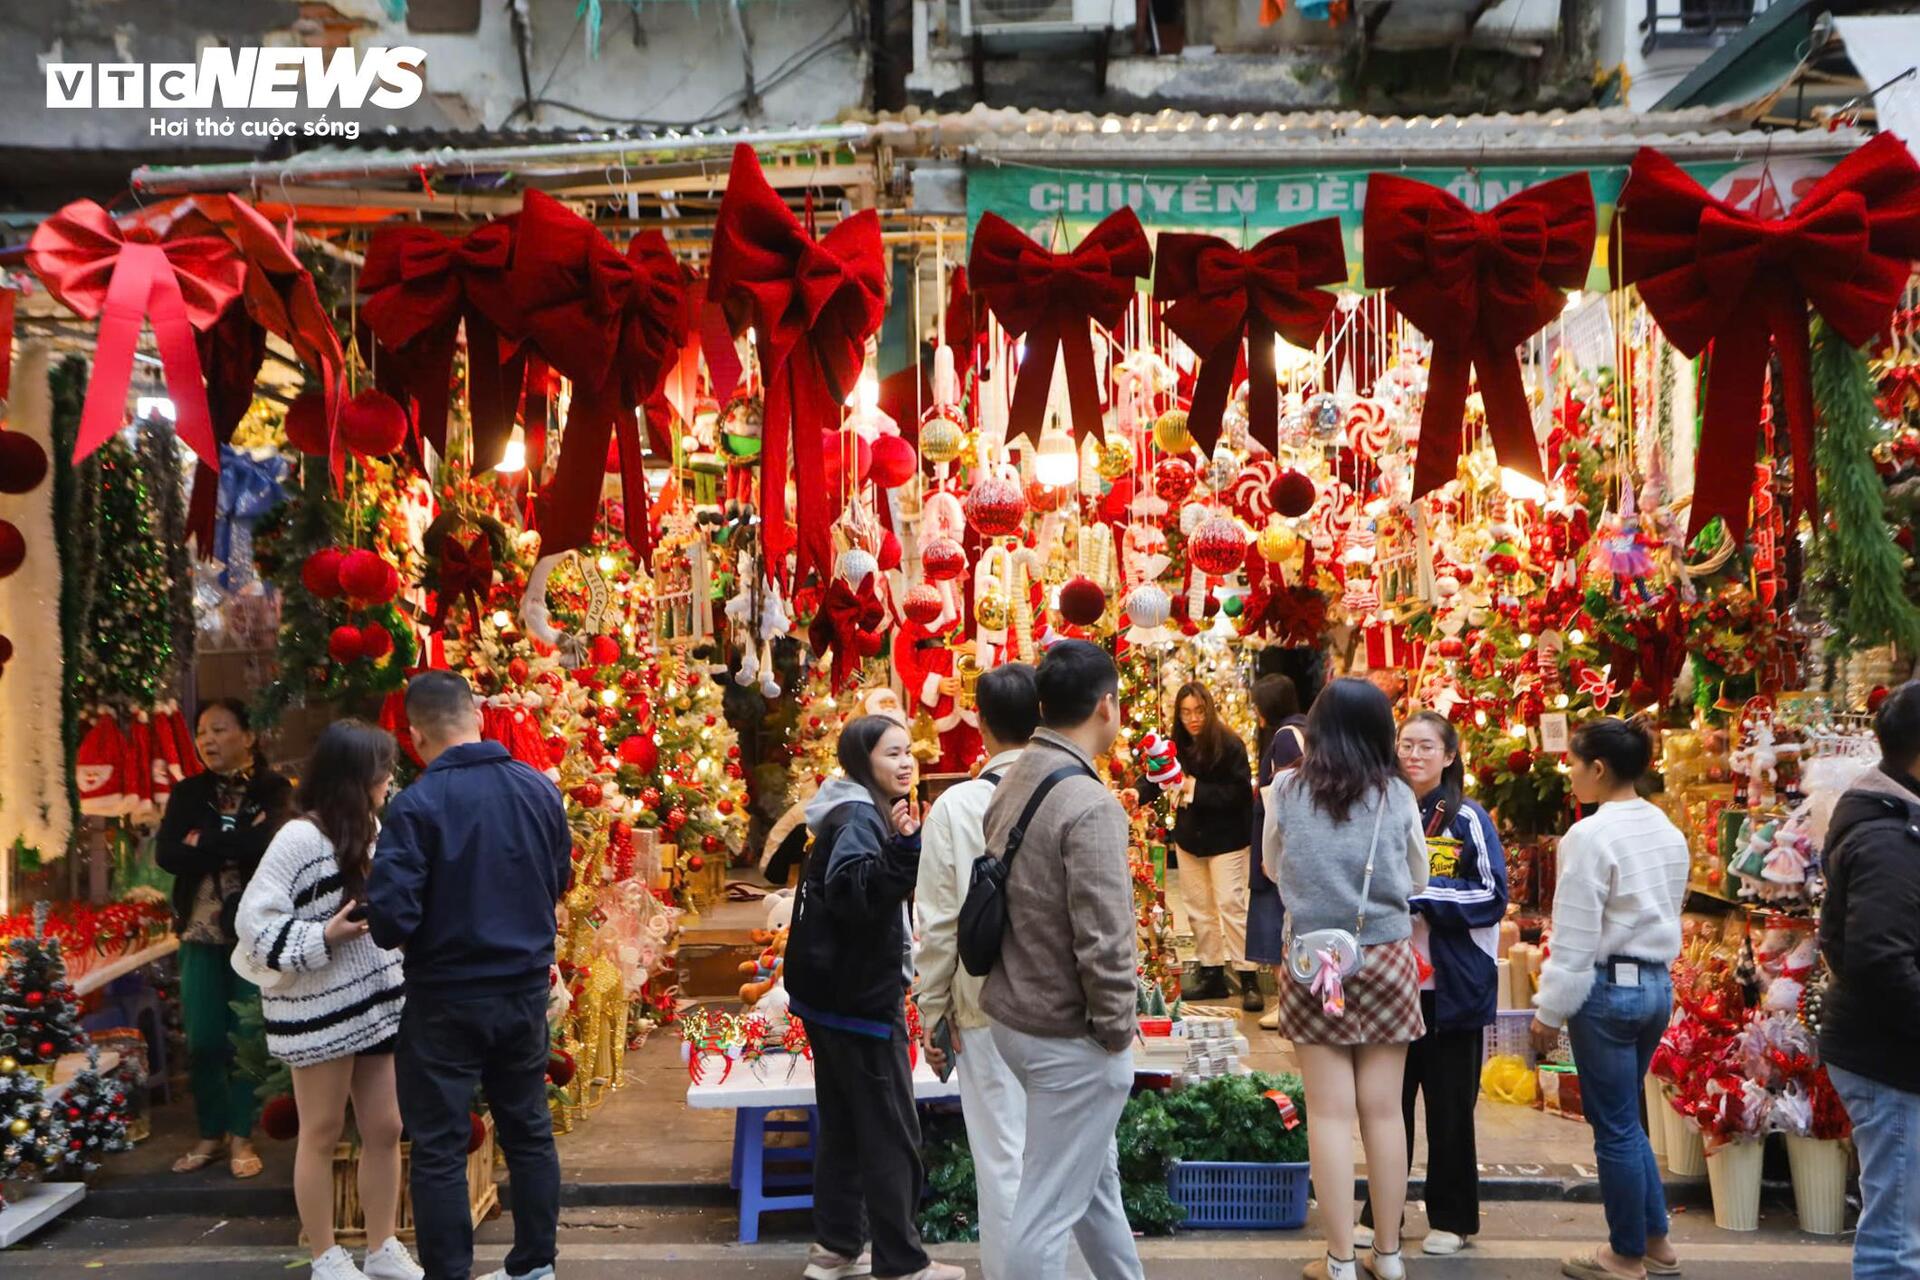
[1416, 747]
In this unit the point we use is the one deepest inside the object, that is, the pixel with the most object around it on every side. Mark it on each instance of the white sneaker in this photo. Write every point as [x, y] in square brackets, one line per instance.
[938, 1271]
[1362, 1236]
[824, 1264]
[1270, 1020]
[1385, 1266]
[1442, 1244]
[336, 1264]
[391, 1261]
[540, 1273]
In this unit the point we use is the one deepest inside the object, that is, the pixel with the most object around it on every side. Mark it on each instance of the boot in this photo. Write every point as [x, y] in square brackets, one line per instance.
[1251, 1001]
[1210, 984]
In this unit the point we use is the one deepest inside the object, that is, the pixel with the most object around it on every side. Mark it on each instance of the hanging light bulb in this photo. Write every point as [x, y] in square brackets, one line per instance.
[1056, 462]
[514, 457]
[1521, 487]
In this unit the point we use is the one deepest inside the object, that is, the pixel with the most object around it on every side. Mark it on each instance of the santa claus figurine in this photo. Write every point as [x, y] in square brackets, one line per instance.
[927, 663]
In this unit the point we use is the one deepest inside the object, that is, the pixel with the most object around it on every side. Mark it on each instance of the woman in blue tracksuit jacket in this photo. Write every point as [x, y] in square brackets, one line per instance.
[1456, 930]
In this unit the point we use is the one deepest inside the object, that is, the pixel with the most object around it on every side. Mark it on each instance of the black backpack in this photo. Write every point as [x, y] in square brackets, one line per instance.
[983, 916]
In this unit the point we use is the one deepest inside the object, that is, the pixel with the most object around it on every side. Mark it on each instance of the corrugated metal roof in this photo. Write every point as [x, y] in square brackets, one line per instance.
[1300, 136]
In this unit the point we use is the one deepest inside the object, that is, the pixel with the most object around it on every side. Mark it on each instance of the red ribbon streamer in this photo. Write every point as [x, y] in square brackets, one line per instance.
[813, 304]
[1051, 297]
[179, 279]
[1216, 295]
[1714, 274]
[6, 340]
[1478, 285]
[611, 323]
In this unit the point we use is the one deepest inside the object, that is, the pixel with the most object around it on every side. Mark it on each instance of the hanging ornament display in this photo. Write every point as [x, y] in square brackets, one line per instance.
[1170, 434]
[1082, 601]
[1173, 480]
[997, 505]
[1218, 545]
[1293, 493]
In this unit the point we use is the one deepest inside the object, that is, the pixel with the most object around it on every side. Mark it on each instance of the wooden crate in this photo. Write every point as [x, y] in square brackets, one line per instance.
[350, 1227]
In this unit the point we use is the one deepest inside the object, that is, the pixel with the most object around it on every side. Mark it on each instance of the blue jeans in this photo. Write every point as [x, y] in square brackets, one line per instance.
[1886, 1132]
[1613, 1038]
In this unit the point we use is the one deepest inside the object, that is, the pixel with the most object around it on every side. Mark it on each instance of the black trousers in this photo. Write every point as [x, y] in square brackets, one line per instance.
[1446, 1065]
[867, 1174]
[449, 1047]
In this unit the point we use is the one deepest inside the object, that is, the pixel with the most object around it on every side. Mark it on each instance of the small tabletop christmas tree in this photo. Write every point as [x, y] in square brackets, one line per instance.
[94, 1112]
[39, 1012]
[32, 1138]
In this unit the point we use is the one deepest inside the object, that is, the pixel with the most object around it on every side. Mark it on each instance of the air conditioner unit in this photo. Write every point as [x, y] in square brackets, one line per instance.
[1041, 17]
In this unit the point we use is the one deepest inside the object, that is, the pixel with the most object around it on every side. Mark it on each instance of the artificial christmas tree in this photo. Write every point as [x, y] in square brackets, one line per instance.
[94, 1112]
[39, 1012]
[32, 1138]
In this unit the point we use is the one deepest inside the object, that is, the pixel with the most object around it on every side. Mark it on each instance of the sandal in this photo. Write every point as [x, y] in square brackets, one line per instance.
[245, 1164]
[1587, 1267]
[194, 1161]
[1655, 1267]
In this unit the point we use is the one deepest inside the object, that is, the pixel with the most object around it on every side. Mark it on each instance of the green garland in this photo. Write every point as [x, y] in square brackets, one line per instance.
[79, 534]
[126, 656]
[1854, 541]
[159, 452]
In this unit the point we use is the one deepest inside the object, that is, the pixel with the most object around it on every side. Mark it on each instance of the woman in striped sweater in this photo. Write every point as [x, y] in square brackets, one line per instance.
[331, 997]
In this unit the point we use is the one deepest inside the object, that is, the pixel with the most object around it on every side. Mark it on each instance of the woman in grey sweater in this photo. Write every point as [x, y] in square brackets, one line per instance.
[1344, 843]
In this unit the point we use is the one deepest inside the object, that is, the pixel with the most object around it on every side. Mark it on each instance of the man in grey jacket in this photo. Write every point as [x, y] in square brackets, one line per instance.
[1062, 997]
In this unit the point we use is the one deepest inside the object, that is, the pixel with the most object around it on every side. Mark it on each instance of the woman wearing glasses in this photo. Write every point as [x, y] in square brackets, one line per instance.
[1456, 934]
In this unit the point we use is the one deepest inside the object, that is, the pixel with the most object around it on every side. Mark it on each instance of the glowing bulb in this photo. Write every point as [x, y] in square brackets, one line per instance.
[502, 619]
[627, 630]
[1290, 361]
[1526, 640]
[1577, 636]
[1560, 701]
[605, 563]
[609, 696]
[1522, 487]
[514, 457]
[1480, 718]
[1056, 462]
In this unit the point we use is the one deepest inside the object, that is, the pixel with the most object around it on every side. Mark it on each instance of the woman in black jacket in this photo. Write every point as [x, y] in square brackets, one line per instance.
[849, 958]
[1284, 731]
[1212, 828]
[217, 826]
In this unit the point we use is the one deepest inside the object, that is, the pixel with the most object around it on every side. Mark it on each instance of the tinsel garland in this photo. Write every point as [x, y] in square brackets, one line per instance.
[160, 469]
[127, 654]
[73, 506]
[36, 806]
[1869, 605]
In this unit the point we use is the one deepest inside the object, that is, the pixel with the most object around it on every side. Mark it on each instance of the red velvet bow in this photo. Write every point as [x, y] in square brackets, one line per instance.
[1050, 297]
[848, 623]
[962, 327]
[1215, 295]
[1711, 273]
[611, 323]
[180, 278]
[813, 304]
[466, 569]
[1478, 285]
[420, 286]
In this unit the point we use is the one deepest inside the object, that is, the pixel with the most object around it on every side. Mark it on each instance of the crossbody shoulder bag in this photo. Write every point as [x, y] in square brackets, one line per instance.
[1324, 958]
[983, 916]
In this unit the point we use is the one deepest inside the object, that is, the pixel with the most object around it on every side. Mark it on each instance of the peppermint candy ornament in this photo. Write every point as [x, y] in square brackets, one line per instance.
[1369, 432]
[1251, 493]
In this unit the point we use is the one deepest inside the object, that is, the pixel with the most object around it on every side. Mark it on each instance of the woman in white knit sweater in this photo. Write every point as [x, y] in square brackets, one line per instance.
[331, 997]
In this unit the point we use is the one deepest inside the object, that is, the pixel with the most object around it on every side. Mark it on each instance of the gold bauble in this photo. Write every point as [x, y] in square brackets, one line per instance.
[1116, 459]
[1278, 543]
[991, 611]
[1170, 432]
[18, 1128]
[941, 438]
[8, 1066]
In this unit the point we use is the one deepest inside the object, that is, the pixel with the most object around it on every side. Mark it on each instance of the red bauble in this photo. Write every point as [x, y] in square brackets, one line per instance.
[46, 1051]
[943, 560]
[376, 642]
[517, 670]
[710, 843]
[641, 752]
[924, 604]
[725, 807]
[344, 644]
[733, 752]
[363, 576]
[13, 548]
[280, 1118]
[320, 575]
[588, 795]
[476, 1131]
[996, 506]
[1293, 493]
[1082, 601]
[23, 463]
[676, 818]
[603, 651]
[894, 462]
[734, 771]
[889, 554]
[1173, 480]
[556, 750]
[35, 999]
[696, 863]
[1218, 546]
[650, 797]
[1044, 498]
[1877, 695]
[307, 423]
[1452, 647]
[560, 1067]
[709, 721]
[1519, 760]
[373, 424]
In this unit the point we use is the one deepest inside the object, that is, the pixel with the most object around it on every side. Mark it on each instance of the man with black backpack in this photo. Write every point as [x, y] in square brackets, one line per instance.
[1062, 996]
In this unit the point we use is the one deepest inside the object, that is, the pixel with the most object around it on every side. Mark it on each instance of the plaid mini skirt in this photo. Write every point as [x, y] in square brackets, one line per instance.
[1383, 1002]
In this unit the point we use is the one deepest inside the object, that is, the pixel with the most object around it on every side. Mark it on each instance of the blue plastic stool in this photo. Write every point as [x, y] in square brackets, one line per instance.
[771, 1178]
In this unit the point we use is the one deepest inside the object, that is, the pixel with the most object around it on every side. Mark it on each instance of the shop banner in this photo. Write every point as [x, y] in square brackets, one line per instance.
[1250, 203]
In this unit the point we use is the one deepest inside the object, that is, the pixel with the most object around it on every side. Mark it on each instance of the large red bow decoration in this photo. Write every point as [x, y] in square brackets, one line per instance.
[420, 286]
[1712, 273]
[1050, 297]
[180, 278]
[1216, 294]
[813, 304]
[466, 569]
[849, 624]
[611, 323]
[1478, 285]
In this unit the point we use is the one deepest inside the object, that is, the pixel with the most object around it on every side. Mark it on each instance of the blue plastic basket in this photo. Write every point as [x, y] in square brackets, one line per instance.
[1240, 1197]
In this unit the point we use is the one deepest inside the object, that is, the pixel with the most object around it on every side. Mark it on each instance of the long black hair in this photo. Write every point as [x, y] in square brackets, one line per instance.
[336, 792]
[1208, 747]
[1352, 732]
[1453, 778]
[1277, 700]
[855, 752]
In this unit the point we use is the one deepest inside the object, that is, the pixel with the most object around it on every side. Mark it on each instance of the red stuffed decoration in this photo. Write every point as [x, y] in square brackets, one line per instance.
[13, 548]
[320, 575]
[344, 645]
[376, 642]
[280, 1118]
[603, 650]
[1215, 295]
[373, 424]
[640, 751]
[1082, 601]
[1478, 285]
[476, 1132]
[306, 424]
[894, 462]
[364, 577]
[23, 463]
[1293, 493]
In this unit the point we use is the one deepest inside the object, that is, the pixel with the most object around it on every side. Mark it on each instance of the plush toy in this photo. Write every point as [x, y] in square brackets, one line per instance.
[765, 992]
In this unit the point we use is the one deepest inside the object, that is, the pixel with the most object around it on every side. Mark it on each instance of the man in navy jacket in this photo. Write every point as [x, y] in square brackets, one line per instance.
[472, 861]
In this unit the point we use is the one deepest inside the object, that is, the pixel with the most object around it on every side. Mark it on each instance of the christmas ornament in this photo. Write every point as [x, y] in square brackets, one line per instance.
[1170, 434]
[345, 643]
[23, 463]
[320, 574]
[1218, 546]
[367, 578]
[13, 548]
[943, 560]
[1278, 544]
[373, 424]
[1251, 492]
[924, 604]
[996, 506]
[942, 438]
[1116, 459]
[376, 642]
[893, 462]
[1173, 480]
[1369, 431]
[856, 566]
[1082, 602]
[306, 424]
[1293, 493]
